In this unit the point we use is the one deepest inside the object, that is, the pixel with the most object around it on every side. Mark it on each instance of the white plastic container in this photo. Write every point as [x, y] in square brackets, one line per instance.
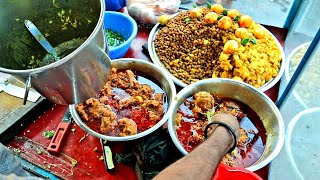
[302, 144]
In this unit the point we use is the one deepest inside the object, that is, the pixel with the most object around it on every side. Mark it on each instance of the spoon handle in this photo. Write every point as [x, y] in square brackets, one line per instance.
[40, 38]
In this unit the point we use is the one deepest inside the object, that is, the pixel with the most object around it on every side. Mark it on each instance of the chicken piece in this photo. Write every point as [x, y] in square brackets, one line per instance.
[131, 101]
[127, 127]
[123, 80]
[155, 110]
[108, 124]
[82, 112]
[178, 119]
[203, 100]
[132, 79]
[158, 97]
[242, 138]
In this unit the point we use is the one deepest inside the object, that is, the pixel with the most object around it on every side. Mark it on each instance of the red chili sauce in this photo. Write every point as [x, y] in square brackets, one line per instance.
[139, 112]
[246, 155]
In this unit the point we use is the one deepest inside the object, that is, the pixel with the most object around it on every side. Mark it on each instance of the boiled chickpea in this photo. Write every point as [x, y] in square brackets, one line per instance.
[211, 17]
[259, 33]
[233, 13]
[225, 22]
[218, 8]
[196, 12]
[163, 19]
[230, 47]
[245, 21]
[241, 33]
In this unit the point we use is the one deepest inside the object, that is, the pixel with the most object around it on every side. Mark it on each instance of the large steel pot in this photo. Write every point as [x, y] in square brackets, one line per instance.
[77, 76]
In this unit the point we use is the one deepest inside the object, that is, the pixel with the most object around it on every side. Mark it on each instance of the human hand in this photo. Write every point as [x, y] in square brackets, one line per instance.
[228, 119]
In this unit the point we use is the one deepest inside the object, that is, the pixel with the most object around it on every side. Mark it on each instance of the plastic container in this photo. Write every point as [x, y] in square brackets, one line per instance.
[114, 5]
[225, 172]
[302, 144]
[306, 90]
[124, 25]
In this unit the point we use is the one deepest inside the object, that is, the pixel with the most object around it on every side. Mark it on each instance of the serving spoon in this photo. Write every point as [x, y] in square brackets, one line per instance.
[45, 44]
[41, 39]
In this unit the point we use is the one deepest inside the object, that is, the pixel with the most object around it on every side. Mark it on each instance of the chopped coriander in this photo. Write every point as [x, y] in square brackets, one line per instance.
[114, 38]
[39, 151]
[73, 162]
[48, 134]
[245, 41]
[188, 20]
[208, 5]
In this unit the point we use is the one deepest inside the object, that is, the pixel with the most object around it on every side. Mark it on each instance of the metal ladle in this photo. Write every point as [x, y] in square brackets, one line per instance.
[45, 44]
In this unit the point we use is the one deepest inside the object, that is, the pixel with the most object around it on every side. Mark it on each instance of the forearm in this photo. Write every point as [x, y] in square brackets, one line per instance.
[202, 161]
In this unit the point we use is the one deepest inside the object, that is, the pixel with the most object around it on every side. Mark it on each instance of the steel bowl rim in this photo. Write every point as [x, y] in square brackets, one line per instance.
[139, 135]
[155, 59]
[280, 121]
[69, 56]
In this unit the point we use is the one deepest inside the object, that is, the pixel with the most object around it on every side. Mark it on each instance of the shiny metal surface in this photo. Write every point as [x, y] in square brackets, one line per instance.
[147, 68]
[41, 39]
[258, 101]
[79, 75]
[156, 60]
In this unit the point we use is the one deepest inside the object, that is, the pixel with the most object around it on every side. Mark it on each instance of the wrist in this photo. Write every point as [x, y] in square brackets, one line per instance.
[222, 138]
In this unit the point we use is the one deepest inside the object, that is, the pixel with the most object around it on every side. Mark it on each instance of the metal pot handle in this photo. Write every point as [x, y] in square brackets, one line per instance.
[27, 88]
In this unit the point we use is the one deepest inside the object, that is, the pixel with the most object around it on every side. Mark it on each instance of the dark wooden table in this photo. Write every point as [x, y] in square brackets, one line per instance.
[88, 164]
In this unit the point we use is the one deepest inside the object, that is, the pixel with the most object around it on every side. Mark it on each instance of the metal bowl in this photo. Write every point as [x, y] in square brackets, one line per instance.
[156, 60]
[247, 94]
[149, 69]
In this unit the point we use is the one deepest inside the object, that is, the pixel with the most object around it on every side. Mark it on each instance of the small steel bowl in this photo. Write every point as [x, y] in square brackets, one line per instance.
[149, 69]
[247, 94]
[156, 60]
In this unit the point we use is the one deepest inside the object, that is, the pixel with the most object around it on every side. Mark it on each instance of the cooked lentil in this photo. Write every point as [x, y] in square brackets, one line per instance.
[193, 50]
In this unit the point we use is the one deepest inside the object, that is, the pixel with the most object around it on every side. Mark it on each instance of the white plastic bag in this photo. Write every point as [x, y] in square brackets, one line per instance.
[148, 11]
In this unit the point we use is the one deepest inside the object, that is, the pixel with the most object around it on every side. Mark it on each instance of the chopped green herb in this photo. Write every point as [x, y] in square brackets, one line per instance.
[225, 12]
[236, 18]
[188, 20]
[73, 162]
[208, 5]
[219, 17]
[39, 151]
[254, 41]
[48, 134]
[194, 5]
[245, 41]
[114, 38]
